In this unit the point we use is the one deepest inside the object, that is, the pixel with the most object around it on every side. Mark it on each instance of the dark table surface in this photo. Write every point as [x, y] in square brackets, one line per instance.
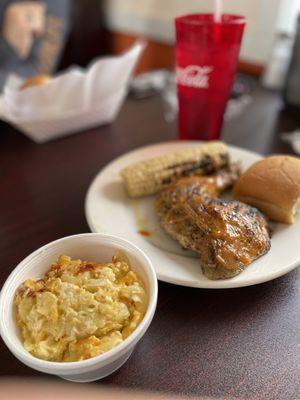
[239, 343]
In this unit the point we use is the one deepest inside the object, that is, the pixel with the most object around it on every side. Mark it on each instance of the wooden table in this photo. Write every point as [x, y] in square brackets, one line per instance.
[240, 343]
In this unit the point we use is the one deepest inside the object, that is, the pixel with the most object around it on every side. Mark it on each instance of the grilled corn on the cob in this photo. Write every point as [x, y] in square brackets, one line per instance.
[148, 177]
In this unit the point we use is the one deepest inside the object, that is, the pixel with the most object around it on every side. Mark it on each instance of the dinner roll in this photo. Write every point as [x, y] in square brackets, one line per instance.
[273, 186]
[36, 80]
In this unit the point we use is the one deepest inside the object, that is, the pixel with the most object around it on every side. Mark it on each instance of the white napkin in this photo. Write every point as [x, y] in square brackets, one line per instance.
[72, 101]
[294, 139]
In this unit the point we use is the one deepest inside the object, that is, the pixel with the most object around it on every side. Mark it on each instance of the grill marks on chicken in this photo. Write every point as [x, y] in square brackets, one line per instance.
[227, 235]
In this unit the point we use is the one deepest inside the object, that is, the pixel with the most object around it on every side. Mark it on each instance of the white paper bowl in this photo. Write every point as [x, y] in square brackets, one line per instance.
[87, 246]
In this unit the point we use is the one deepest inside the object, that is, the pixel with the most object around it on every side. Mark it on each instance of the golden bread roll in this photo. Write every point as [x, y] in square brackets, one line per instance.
[273, 186]
[37, 80]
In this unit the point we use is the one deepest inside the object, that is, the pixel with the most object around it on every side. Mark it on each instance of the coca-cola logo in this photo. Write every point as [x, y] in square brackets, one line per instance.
[194, 76]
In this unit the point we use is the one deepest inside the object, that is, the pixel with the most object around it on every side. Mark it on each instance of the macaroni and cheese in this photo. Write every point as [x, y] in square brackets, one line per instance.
[80, 309]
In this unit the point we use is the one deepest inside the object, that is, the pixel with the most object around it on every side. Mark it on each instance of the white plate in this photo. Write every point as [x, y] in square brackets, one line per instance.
[109, 210]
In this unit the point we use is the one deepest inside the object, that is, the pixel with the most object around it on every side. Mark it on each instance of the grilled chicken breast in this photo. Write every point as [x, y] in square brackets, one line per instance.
[227, 235]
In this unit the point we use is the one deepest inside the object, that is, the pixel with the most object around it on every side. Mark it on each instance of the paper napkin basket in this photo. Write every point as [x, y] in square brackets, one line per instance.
[72, 101]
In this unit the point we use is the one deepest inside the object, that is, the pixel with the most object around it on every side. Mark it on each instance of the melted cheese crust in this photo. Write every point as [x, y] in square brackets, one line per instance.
[80, 309]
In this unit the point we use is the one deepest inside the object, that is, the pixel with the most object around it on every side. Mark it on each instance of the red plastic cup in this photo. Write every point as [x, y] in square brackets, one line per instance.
[206, 61]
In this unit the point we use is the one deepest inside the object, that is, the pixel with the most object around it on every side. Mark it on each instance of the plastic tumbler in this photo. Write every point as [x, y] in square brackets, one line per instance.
[206, 60]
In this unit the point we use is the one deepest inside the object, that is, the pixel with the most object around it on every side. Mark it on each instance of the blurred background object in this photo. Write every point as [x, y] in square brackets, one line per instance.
[84, 30]
[87, 33]
[154, 20]
[162, 82]
[276, 71]
[23, 22]
[293, 138]
[74, 100]
[266, 52]
[113, 25]
[281, 50]
[33, 36]
[292, 88]
[33, 389]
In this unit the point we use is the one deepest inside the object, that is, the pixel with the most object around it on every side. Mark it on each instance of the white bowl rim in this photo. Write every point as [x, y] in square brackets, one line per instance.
[103, 359]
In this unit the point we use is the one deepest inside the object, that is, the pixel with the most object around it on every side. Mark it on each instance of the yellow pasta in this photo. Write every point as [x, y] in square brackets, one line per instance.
[80, 309]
